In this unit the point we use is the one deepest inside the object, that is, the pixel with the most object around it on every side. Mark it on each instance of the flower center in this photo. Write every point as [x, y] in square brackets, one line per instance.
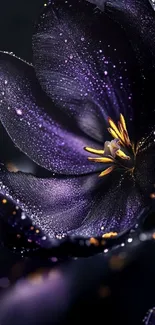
[118, 153]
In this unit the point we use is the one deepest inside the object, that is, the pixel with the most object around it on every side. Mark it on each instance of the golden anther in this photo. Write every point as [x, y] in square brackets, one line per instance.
[114, 128]
[107, 171]
[94, 151]
[101, 159]
[122, 155]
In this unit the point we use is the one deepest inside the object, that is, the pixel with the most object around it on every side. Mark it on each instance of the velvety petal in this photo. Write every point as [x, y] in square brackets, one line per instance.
[138, 20]
[114, 209]
[12, 157]
[35, 126]
[85, 64]
[56, 205]
[84, 206]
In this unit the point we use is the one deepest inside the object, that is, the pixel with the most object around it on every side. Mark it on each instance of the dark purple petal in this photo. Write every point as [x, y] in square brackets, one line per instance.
[12, 157]
[35, 126]
[115, 208]
[150, 318]
[84, 62]
[138, 21]
[56, 205]
[17, 231]
[83, 206]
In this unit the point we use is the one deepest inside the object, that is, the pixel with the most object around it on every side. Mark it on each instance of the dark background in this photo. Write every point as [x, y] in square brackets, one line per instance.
[17, 18]
[132, 296]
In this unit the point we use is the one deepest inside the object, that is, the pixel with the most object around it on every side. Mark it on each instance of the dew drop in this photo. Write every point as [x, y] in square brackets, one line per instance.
[19, 111]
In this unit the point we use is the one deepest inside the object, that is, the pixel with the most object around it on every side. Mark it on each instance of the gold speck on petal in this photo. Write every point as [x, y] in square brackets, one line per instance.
[4, 201]
[94, 241]
[110, 235]
[107, 171]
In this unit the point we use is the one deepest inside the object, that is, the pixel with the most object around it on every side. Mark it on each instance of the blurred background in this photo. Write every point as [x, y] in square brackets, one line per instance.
[17, 18]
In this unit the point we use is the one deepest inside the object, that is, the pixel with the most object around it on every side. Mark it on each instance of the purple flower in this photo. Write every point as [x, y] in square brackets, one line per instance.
[82, 114]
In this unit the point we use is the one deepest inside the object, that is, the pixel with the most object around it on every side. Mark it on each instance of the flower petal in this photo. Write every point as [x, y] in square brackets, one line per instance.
[138, 21]
[12, 157]
[115, 209]
[56, 205]
[83, 206]
[17, 231]
[47, 138]
[82, 60]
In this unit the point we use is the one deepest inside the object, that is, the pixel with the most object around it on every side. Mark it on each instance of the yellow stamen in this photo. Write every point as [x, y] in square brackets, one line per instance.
[95, 151]
[101, 159]
[122, 120]
[127, 140]
[110, 235]
[114, 127]
[122, 155]
[115, 148]
[124, 131]
[121, 131]
[114, 135]
[107, 171]
[120, 127]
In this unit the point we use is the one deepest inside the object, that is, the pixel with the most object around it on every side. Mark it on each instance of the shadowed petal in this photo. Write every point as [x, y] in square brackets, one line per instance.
[115, 209]
[84, 206]
[84, 62]
[35, 126]
[138, 21]
[56, 205]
